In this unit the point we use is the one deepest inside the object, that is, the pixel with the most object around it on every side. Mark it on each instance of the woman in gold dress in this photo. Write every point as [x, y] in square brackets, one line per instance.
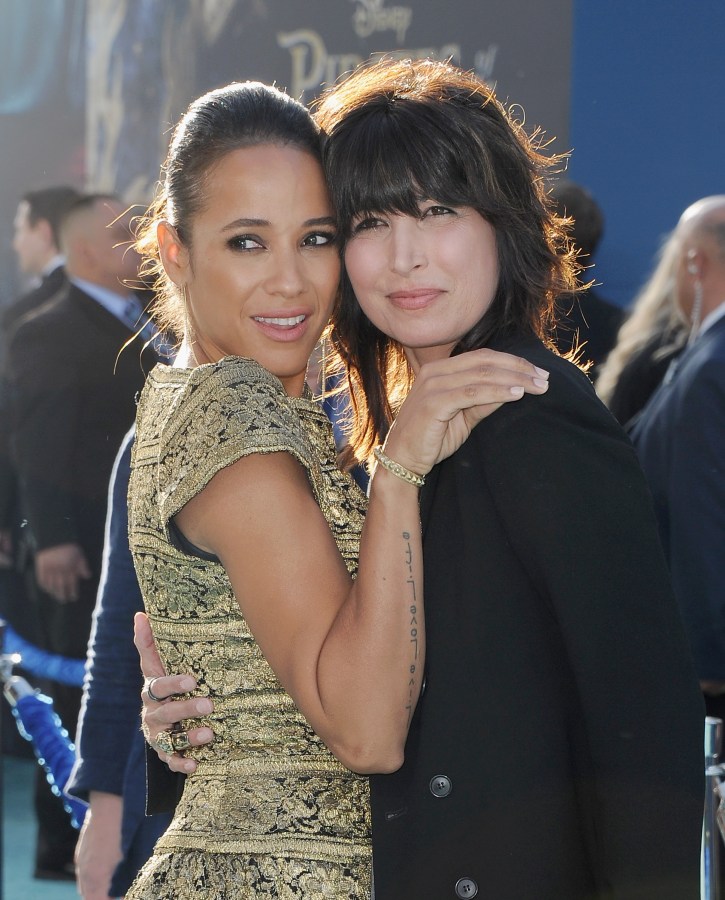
[245, 534]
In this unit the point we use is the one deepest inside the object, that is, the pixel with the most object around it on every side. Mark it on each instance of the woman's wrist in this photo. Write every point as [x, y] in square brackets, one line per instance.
[397, 469]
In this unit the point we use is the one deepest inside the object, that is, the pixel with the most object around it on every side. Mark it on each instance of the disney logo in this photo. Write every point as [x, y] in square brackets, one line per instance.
[372, 15]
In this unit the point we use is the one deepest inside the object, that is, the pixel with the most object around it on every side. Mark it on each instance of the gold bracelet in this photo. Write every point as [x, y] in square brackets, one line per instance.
[392, 466]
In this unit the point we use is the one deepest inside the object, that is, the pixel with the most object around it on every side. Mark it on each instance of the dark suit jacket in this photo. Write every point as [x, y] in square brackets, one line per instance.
[642, 374]
[680, 439]
[556, 752]
[52, 284]
[74, 398]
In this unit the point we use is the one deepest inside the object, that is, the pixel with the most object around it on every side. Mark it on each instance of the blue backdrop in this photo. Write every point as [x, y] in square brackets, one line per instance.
[647, 122]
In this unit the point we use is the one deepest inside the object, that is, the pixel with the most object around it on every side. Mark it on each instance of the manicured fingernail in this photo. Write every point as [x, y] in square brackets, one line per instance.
[204, 706]
[517, 390]
[187, 684]
[205, 735]
[541, 382]
[189, 765]
[542, 372]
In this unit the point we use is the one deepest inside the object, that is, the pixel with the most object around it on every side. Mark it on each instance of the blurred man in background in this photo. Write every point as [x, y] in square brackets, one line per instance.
[36, 243]
[74, 385]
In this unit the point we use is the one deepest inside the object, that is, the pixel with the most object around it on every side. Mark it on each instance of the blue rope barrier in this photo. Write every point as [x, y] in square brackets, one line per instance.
[38, 722]
[43, 664]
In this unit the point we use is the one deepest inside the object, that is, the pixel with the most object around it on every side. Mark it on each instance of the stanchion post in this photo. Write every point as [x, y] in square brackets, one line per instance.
[3, 667]
[7, 661]
[710, 862]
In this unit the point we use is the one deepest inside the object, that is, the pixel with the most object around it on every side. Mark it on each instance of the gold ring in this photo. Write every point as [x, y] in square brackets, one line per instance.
[163, 742]
[180, 741]
[171, 742]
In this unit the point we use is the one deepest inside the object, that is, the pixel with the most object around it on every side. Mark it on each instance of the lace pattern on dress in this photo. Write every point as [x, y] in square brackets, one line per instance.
[269, 812]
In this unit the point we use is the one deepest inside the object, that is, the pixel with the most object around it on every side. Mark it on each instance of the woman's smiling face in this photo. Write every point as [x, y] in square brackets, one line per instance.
[261, 272]
[424, 280]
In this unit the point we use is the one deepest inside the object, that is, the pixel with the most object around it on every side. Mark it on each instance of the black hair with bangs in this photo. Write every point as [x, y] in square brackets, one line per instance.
[398, 132]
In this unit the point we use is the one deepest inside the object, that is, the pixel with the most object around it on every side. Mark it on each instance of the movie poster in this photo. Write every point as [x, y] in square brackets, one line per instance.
[89, 89]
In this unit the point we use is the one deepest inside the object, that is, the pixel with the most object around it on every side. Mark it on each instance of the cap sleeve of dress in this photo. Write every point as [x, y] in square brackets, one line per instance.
[227, 410]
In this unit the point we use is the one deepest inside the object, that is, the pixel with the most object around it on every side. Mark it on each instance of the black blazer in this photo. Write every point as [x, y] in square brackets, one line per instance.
[556, 751]
[53, 283]
[680, 439]
[74, 397]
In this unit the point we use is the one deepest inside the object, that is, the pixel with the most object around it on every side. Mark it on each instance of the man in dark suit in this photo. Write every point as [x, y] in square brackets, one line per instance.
[36, 242]
[37, 246]
[680, 440]
[74, 389]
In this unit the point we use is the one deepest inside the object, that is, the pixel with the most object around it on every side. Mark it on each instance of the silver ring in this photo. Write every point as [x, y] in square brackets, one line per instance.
[149, 690]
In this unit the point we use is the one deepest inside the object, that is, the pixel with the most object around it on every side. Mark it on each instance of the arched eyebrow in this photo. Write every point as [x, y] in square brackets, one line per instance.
[323, 220]
[265, 223]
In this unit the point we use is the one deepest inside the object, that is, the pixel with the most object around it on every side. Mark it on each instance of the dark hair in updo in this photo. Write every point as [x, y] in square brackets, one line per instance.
[242, 114]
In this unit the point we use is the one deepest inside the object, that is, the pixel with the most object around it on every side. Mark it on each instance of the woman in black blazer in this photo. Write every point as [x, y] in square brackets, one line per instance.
[556, 749]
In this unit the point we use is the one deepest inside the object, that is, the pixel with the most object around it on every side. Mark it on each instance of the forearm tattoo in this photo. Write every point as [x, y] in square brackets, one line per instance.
[413, 632]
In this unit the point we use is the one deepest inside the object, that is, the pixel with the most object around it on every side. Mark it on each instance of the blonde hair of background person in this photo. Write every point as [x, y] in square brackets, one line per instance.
[654, 312]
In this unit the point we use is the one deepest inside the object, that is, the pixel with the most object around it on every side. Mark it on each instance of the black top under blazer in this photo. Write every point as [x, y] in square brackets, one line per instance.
[556, 751]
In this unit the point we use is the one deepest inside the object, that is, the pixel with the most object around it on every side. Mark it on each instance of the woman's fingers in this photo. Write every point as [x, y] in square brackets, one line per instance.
[165, 715]
[158, 686]
[484, 370]
[162, 714]
[162, 687]
[483, 378]
[151, 664]
[164, 742]
[488, 359]
[450, 396]
[163, 730]
[177, 763]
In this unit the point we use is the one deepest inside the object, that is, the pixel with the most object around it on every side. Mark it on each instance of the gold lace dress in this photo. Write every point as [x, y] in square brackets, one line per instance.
[269, 811]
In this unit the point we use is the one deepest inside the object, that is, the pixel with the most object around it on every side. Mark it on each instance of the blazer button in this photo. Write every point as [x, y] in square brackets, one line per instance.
[466, 888]
[440, 785]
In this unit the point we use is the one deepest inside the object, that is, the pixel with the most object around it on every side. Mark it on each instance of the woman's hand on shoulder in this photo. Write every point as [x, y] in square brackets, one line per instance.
[162, 712]
[450, 397]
